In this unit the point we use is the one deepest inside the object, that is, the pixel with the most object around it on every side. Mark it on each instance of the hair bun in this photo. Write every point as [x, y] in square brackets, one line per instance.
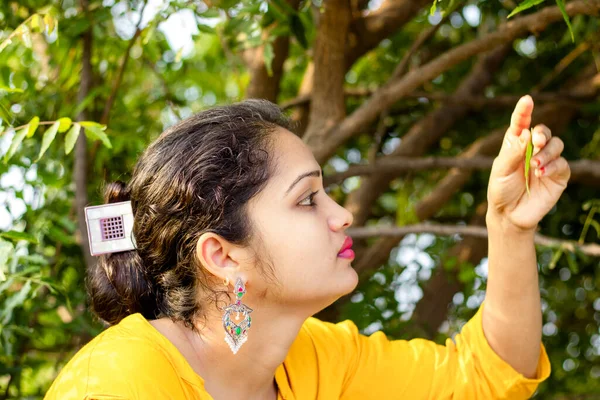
[117, 191]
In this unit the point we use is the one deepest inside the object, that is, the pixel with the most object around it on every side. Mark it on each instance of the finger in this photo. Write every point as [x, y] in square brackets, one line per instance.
[541, 136]
[521, 116]
[550, 152]
[512, 152]
[558, 169]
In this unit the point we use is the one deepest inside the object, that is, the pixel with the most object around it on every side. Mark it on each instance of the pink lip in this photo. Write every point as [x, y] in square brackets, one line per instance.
[346, 250]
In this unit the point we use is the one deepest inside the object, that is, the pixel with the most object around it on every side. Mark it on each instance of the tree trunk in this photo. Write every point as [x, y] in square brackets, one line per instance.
[80, 170]
[327, 105]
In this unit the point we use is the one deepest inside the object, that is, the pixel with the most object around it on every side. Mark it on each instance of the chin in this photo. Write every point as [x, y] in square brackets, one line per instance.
[353, 279]
[347, 281]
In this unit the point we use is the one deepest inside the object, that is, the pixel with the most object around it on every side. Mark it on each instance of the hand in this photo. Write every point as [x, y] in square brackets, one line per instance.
[508, 200]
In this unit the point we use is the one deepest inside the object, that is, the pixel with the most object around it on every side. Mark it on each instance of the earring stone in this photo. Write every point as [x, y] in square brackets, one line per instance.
[236, 334]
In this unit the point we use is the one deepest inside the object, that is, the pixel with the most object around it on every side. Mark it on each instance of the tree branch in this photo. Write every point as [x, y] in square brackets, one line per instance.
[428, 130]
[423, 37]
[590, 169]
[262, 85]
[360, 119]
[301, 114]
[366, 32]
[474, 101]
[562, 65]
[590, 249]
[554, 116]
[398, 72]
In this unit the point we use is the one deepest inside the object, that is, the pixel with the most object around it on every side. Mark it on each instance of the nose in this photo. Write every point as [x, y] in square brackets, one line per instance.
[340, 219]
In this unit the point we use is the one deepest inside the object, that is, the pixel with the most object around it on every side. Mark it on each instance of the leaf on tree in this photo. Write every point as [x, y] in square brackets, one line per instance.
[524, 6]
[71, 137]
[49, 136]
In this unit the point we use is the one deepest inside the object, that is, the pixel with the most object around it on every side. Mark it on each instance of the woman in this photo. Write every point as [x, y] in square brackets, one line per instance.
[230, 217]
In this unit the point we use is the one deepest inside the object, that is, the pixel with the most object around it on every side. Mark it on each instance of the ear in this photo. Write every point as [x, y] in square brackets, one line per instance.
[218, 256]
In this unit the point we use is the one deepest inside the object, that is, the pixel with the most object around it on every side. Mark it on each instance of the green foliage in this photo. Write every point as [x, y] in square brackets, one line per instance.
[527, 4]
[71, 137]
[561, 5]
[43, 309]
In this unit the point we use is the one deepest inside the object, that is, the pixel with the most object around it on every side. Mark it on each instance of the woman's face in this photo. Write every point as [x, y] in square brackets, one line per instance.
[301, 230]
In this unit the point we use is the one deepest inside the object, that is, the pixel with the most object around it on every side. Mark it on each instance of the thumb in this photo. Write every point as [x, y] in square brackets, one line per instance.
[512, 153]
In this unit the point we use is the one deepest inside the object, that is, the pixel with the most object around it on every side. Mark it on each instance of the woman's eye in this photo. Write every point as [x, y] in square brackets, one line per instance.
[309, 201]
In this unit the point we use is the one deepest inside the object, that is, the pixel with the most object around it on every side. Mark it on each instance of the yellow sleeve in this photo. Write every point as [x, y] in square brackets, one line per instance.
[130, 369]
[466, 368]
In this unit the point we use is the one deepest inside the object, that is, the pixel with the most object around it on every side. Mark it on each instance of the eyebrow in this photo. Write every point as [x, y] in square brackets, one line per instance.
[316, 173]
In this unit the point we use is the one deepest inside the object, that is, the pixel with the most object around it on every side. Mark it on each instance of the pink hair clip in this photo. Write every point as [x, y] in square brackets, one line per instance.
[110, 228]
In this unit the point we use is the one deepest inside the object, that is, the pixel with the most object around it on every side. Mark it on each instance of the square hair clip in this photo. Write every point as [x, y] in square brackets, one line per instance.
[110, 228]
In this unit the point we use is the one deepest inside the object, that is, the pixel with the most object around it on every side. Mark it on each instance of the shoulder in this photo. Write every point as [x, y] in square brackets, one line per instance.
[118, 362]
[132, 345]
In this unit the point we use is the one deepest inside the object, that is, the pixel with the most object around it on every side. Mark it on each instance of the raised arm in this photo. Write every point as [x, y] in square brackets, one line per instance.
[512, 318]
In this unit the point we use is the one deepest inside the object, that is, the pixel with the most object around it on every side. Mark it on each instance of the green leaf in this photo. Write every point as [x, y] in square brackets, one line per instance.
[212, 12]
[524, 6]
[178, 55]
[433, 7]
[93, 132]
[50, 23]
[32, 126]
[37, 23]
[16, 236]
[284, 6]
[6, 249]
[590, 203]
[17, 139]
[268, 55]
[563, 11]
[555, 257]
[148, 33]
[34, 259]
[10, 90]
[87, 124]
[528, 154]
[15, 300]
[298, 30]
[206, 28]
[71, 137]
[5, 43]
[49, 136]
[596, 227]
[65, 123]
[572, 263]
[5, 113]
[25, 35]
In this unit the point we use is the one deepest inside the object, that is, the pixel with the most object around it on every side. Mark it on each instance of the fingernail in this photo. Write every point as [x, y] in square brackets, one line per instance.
[542, 171]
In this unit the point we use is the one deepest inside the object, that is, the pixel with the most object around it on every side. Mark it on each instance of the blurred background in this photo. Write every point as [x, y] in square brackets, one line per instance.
[403, 102]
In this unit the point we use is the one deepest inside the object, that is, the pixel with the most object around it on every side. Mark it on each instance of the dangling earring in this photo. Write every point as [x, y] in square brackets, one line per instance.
[237, 334]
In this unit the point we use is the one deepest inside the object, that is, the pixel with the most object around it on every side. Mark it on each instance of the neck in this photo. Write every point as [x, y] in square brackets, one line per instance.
[249, 373]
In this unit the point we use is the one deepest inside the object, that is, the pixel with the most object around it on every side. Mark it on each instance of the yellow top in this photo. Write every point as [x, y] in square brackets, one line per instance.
[132, 360]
